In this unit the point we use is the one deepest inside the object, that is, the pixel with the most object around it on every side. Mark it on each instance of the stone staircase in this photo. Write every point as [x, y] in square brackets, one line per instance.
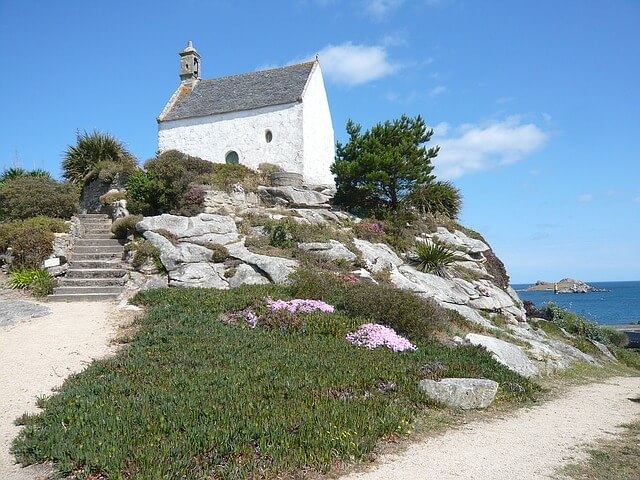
[95, 270]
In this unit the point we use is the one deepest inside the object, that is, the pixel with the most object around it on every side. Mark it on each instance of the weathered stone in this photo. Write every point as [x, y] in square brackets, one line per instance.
[201, 229]
[276, 268]
[293, 197]
[120, 209]
[333, 250]
[430, 286]
[246, 275]
[506, 353]
[316, 216]
[13, 311]
[58, 270]
[377, 256]
[173, 257]
[469, 314]
[459, 240]
[155, 283]
[464, 393]
[201, 275]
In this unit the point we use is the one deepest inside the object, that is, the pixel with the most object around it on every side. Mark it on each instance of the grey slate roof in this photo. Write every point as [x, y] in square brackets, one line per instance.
[242, 92]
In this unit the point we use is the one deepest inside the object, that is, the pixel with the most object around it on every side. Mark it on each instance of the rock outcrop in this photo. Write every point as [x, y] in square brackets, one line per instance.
[464, 393]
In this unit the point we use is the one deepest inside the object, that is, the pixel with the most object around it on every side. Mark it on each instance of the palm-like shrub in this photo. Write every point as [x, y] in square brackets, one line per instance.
[80, 160]
[434, 258]
[16, 172]
[438, 198]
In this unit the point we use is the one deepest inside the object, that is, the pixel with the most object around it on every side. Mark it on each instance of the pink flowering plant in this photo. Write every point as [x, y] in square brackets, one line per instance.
[280, 314]
[374, 335]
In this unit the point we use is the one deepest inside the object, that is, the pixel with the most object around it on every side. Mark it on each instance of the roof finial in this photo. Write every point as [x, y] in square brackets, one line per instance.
[190, 44]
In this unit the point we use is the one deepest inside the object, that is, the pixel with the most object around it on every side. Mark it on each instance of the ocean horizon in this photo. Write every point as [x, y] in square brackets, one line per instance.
[619, 305]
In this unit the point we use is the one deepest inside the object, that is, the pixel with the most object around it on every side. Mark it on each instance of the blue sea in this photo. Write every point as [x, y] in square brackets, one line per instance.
[620, 304]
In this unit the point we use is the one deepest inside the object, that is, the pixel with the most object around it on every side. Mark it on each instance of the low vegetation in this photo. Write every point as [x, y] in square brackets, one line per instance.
[30, 196]
[40, 282]
[201, 393]
[618, 458]
[30, 241]
[434, 258]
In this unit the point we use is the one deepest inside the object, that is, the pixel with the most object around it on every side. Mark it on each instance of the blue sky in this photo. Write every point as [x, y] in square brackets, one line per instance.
[535, 104]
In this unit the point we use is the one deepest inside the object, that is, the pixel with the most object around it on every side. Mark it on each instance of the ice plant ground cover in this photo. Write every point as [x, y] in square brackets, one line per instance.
[298, 305]
[191, 396]
[373, 335]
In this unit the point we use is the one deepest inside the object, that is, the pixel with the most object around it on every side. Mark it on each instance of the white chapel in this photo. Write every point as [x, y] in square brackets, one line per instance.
[279, 116]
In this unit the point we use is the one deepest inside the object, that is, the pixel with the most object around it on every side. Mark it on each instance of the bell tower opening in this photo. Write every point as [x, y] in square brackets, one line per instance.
[189, 64]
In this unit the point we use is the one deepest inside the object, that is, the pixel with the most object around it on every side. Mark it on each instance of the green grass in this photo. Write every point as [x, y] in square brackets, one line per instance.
[194, 397]
[617, 459]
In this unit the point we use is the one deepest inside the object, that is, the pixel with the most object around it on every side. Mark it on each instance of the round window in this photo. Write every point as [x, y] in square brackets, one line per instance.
[232, 157]
[268, 136]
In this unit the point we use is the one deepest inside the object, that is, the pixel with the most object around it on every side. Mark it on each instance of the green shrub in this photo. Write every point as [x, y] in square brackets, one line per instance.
[219, 252]
[369, 230]
[31, 245]
[438, 198]
[28, 196]
[224, 176]
[282, 233]
[611, 336]
[110, 197]
[434, 258]
[140, 193]
[317, 285]
[38, 281]
[572, 323]
[93, 152]
[401, 310]
[628, 356]
[142, 251]
[123, 227]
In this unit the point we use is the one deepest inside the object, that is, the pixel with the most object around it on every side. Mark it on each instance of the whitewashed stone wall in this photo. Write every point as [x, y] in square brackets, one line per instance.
[319, 148]
[302, 132]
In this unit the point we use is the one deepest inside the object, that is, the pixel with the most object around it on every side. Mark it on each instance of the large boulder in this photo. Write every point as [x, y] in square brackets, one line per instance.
[333, 250]
[430, 286]
[464, 393]
[377, 256]
[294, 197]
[201, 229]
[459, 240]
[201, 275]
[174, 256]
[510, 355]
[246, 275]
[276, 268]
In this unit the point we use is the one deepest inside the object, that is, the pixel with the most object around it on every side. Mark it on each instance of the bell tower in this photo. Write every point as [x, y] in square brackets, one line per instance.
[189, 64]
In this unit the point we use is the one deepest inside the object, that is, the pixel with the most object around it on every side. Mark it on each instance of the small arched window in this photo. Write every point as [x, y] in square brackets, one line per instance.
[232, 157]
[268, 136]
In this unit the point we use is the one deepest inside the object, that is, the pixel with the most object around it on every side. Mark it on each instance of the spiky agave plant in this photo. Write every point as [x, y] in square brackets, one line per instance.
[90, 149]
[434, 258]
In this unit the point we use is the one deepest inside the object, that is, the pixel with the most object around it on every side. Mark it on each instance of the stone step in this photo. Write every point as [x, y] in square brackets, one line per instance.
[101, 249]
[98, 236]
[83, 297]
[108, 263]
[97, 242]
[92, 215]
[79, 257]
[115, 289]
[92, 282]
[96, 273]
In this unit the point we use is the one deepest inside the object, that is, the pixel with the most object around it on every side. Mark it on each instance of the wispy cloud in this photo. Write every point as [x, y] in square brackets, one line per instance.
[503, 100]
[587, 197]
[439, 90]
[395, 40]
[351, 64]
[473, 148]
[636, 200]
[379, 9]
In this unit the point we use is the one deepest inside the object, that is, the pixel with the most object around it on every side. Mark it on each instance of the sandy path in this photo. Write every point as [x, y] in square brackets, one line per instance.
[530, 444]
[37, 354]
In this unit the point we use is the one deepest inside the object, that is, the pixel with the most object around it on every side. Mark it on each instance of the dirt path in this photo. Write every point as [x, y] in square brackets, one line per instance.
[528, 445]
[37, 354]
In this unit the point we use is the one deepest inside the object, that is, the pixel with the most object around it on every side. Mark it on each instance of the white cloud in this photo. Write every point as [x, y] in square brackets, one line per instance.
[395, 40]
[473, 148]
[587, 197]
[439, 90]
[355, 64]
[379, 9]
[503, 100]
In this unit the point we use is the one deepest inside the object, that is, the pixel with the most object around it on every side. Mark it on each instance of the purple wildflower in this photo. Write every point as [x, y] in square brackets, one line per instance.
[373, 335]
[300, 305]
[248, 315]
